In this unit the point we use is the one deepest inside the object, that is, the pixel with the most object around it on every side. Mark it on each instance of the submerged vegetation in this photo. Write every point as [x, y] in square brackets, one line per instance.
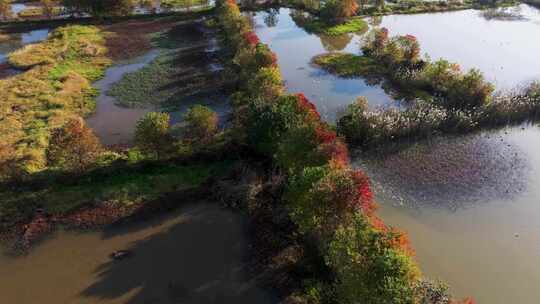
[180, 71]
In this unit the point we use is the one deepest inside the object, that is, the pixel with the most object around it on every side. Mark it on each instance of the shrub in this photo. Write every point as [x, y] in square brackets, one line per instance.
[73, 146]
[266, 84]
[338, 10]
[368, 267]
[323, 198]
[152, 134]
[201, 124]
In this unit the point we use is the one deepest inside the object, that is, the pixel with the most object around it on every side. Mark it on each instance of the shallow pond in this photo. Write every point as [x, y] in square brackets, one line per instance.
[506, 50]
[114, 124]
[194, 255]
[295, 47]
[470, 206]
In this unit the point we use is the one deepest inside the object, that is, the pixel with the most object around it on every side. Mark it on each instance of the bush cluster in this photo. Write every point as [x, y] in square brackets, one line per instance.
[330, 202]
[423, 119]
[400, 58]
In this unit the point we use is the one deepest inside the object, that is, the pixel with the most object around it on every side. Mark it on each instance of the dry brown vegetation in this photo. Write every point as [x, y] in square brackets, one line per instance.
[55, 88]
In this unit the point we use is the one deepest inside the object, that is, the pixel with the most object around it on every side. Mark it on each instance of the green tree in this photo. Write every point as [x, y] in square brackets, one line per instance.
[73, 146]
[368, 268]
[201, 124]
[152, 134]
[339, 10]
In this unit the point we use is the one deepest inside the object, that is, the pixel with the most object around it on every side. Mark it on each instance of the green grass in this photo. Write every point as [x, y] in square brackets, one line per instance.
[145, 86]
[353, 25]
[172, 77]
[346, 65]
[55, 87]
[124, 185]
[183, 3]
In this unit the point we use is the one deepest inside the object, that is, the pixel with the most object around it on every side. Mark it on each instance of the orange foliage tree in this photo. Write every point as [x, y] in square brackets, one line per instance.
[73, 146]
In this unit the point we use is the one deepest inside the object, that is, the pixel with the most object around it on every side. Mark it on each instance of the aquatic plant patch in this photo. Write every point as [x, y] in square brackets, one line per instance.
[182, 70]
[319, 26]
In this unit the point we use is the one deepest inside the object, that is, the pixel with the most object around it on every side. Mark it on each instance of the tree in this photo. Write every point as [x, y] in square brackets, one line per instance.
[152, 134]
[339, 10]
[201, 123]
[5, 10]
[368, 267]
[73, 146]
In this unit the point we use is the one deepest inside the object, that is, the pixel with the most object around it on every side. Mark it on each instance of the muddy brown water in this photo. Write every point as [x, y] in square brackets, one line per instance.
[194, 255]
[471, 206]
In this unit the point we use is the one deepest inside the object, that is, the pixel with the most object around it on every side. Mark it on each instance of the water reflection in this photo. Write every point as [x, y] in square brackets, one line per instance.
[506, 51]
[335, 43]
[295, 48]
[194, 255]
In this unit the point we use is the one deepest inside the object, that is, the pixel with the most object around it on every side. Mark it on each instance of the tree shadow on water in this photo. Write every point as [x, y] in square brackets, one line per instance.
[197, 257]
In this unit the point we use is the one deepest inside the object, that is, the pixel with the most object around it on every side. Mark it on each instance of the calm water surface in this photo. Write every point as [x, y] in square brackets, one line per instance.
[294, 48]
[114, 124]
[471, 207]
[192, 256]
[505, 50]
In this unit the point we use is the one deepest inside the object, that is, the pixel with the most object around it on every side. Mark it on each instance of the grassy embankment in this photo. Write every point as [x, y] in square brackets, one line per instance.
[319, 26]
[445, 100]
[120, 184]
[55, 87]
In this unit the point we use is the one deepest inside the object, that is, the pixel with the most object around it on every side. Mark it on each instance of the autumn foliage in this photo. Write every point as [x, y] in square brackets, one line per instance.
[73, 146]
[329, 201]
